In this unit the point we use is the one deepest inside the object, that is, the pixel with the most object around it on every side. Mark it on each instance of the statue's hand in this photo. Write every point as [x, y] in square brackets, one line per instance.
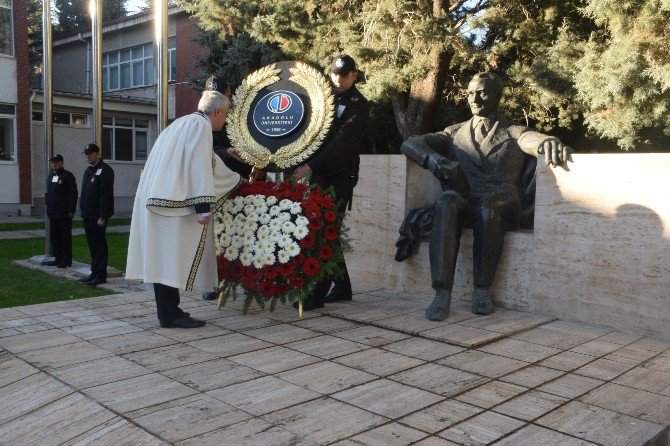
[555, 152]
[439, 166]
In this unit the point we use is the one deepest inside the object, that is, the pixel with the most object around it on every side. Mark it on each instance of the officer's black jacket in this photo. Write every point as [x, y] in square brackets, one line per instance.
[336, 162]
[221, 144]
[97, 192]
[61, 198]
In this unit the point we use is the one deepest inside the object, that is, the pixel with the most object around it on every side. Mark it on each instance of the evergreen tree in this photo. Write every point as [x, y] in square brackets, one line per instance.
[72, 15]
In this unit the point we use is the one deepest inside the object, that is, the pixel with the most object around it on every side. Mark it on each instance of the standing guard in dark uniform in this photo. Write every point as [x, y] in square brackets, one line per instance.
[97, 207]
[61, 203]
[336, 162]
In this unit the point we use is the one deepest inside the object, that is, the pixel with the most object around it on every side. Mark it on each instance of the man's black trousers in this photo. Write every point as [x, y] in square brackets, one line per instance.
[167, 303]
[61, 240]
[97, 245]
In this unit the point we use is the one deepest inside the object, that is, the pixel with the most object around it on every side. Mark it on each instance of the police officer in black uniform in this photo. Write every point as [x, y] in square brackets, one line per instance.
[336, 162]
[97, 207]
[61, 202]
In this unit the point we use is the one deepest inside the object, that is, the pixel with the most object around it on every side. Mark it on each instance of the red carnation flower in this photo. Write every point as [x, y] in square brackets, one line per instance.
[237, 270]
[311, 267]
[330, 216]
[314, 225]
[266, 288]
[325, 252]
[330, 233]
[249, 283]
[308, 241]
[285, 269]
[327, 202]
[253, 273]
[296, 281]
[298, 260]
[270, 272]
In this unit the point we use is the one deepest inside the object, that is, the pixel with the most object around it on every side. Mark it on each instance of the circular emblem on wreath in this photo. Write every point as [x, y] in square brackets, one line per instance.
[281, 115]
[278, 113]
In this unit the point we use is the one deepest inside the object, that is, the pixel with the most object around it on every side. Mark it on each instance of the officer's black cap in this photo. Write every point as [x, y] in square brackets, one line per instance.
[56, 157]
[90, 148]
[343, 65]
[216, 83]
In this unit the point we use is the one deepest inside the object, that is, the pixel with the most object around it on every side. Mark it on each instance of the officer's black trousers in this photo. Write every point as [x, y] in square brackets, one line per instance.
[61, 240]
[97, 245]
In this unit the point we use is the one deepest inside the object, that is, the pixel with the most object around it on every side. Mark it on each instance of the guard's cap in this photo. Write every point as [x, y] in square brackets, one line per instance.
[56, 157]
[342, 65]
[216, 83]
[90, 148]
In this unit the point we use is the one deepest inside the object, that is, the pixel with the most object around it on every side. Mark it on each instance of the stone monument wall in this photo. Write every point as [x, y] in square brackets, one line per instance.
[600, 251]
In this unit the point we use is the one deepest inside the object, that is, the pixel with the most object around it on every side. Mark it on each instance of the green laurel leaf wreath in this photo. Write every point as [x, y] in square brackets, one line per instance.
[322, 101]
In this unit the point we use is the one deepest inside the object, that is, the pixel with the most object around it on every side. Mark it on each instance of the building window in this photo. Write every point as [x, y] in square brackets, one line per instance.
[6, 28]
[125, 139]
[134, 67]
[64, 118]
[7, 133]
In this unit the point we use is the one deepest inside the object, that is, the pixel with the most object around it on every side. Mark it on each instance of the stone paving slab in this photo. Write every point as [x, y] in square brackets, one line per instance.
[101, 371]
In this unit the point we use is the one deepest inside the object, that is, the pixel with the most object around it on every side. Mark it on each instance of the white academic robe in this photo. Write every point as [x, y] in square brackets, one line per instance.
[167, 245]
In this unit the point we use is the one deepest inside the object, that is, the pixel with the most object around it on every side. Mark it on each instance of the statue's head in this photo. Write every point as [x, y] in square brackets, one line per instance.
[484, 93]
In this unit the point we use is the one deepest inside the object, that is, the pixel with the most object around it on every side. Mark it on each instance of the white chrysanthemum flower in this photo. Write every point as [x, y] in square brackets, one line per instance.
[259, 261]
[249, 209]
[218, 228]
[302, 221]
[271, 200]
[285, 204]
[238, 200]
[293, 249]
[246, 258]
[295, 208]
[261, 209]
[300, 232]
[224, 240]
[283, 256]
[231, 253]
[287, 227]
[249, 238]
[284, 240]
[274, 211]
[258, 200]
[267, 246]
[275, 225]
[237, 242]
[284, 216]
[263, 230]
[269, 259]
[264, 219]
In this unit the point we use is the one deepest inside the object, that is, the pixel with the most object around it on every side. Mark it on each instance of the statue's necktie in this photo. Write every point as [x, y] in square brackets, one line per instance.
[480, 132]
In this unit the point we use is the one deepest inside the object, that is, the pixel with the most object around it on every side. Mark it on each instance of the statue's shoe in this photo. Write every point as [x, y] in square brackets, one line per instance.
[481, 301]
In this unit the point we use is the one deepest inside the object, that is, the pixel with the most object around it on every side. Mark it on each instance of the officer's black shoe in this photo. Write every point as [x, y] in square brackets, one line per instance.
[338, 295]
[183, 322]
[310, 304]
[52, 263]
[97, 280]
[87, 278]
[210, 295]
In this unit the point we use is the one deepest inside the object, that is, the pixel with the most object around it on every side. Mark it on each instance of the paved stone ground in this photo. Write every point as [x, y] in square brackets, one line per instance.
[370, 372]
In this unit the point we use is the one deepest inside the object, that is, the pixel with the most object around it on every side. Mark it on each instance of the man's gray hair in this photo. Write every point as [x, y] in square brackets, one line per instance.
[212, 100]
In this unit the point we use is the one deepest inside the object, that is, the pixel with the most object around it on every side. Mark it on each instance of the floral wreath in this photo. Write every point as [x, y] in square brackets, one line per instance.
[277, 241]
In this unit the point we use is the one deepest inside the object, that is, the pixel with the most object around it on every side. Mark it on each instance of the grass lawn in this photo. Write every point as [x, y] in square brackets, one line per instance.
[24, 286]
[40, 224]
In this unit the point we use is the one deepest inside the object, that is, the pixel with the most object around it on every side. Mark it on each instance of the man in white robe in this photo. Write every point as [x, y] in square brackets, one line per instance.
[171, 238]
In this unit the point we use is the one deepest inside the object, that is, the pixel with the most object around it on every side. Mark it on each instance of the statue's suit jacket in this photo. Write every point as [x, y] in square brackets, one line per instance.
[497, 165]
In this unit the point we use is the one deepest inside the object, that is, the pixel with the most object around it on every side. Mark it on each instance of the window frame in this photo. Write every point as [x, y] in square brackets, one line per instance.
[14, 159]
[135, 129]
[116, 55]
[12, 36]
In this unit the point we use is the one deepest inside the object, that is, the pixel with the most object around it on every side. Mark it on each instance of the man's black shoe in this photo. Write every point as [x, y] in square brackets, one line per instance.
[96, 281]
[87, 278]
[309, 305]
[210, 295]
[52, 263]
[183, 322]
[338, 296]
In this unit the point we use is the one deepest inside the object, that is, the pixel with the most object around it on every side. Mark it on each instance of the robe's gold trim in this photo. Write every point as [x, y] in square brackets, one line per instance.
[322, 101]
[162, 203]
[197, 259]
